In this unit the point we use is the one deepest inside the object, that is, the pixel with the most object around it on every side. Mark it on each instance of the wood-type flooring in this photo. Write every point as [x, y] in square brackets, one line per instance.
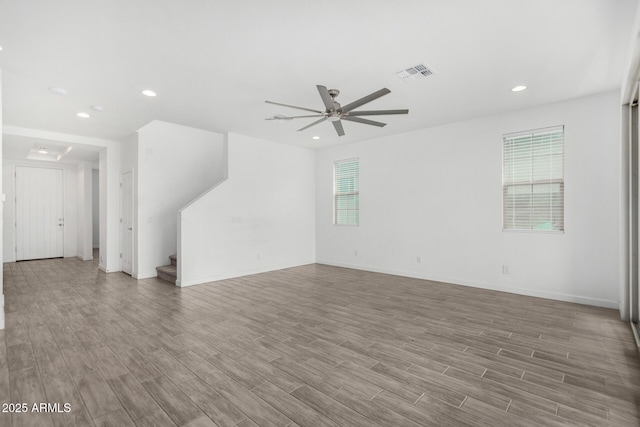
[306, 346]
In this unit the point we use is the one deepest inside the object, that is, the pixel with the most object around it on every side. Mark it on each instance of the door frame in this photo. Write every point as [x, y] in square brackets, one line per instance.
[133, 228]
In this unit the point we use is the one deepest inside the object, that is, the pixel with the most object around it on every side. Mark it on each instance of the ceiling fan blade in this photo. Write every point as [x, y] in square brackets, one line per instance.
[294, 117]
[378, 112]
[326, 98]
[293, 106]
[363, 121]
[313, 124]
[365, 100]
[338, 126]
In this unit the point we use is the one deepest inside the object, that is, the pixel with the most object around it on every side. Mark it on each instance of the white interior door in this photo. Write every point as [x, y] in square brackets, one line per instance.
[126, 222]
[39, 213]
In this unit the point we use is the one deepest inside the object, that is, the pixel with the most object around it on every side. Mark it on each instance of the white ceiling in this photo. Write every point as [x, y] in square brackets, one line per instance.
[214, 63]
[18, 148]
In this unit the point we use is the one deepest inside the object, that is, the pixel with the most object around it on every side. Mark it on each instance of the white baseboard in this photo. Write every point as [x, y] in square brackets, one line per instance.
[490, 286]
[232, 275]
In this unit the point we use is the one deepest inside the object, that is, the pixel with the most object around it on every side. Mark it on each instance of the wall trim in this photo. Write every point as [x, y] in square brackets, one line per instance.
[489, 286]
[233, 275]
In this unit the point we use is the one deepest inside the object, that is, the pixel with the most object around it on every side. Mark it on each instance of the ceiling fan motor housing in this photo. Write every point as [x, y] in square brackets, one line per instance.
[334, 112]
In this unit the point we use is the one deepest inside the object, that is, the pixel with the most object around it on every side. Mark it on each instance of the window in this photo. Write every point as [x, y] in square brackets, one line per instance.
[533, 180]
[346, 188]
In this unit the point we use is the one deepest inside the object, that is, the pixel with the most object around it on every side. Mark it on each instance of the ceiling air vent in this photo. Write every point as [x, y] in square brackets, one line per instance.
[416, 72]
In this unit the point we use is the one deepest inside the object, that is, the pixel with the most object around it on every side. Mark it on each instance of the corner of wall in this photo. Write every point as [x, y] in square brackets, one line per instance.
[258, 220]
[168, 180]
[1, 214]
[225, 155]
[179, 250]
[109, 260]
[225, 175]
[624, 306]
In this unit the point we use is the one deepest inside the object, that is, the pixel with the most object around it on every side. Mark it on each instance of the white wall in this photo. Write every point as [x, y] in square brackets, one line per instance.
[70, 179]
[109, 177]
[95, 208]
[85, 212]
[261, 218]
[1, 215]
[129, 153]
[129, 163]
[175, 164]
[436, 193]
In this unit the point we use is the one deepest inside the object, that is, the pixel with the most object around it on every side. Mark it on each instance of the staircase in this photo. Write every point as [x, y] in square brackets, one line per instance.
[168, 272]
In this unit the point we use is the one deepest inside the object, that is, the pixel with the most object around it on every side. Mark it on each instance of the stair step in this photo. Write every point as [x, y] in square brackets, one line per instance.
[168, 273]
[174, 259]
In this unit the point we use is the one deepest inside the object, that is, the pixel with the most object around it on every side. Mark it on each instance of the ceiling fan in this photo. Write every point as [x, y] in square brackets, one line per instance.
[334, 112]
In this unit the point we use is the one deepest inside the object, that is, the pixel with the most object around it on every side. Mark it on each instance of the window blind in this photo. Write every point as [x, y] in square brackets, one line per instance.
[533, 180]
[346, 194]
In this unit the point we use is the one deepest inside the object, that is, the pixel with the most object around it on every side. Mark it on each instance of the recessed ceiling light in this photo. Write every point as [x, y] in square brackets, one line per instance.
[518, 88]
[97, 108]
[58, 91]
[42, 151]
[83, 115]
[148, 92]
[0, 47]
[315, 137]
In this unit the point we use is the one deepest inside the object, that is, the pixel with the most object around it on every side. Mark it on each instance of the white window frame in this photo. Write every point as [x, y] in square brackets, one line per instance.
[507, 183]
[336, 195]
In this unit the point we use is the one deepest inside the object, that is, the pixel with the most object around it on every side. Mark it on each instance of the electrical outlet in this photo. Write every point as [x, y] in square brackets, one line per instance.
[258, 256]
[419, 260]
[355, 253]
[505, 269]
